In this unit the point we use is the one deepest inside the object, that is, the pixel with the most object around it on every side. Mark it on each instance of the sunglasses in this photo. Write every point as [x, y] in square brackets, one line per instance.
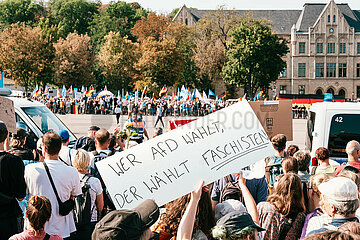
[155, 236]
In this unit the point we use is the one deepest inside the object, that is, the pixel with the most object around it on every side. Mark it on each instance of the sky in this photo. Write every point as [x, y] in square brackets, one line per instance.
[166, 6]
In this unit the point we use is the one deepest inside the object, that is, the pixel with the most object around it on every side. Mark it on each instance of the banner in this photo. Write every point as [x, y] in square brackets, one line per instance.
[170, 165]
[7, 114]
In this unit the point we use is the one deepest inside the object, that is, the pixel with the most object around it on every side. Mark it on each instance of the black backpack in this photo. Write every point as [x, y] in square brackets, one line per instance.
[231, 190]
[85, 143]
[82, 209]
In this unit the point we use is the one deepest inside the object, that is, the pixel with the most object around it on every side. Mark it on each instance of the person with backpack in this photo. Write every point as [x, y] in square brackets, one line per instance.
[87, 142]
[38, 212]
[283, 214]
[102, 142]
[91, 201]
[273, 163]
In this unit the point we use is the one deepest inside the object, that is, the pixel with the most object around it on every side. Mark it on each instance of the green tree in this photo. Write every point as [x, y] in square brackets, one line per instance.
[24, 54]
[116, 17]
[254, 56]
[117, 58]
[160, 62]
[73, 15]
[74, 61]
[20, 11]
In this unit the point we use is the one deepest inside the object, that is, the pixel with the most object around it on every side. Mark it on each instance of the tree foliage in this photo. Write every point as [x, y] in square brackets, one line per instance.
[153, 26]
[73, 15]
[116, 17]
[117, 58]
[254, 56]
[20, 11]
[23, 54]
[73, 61]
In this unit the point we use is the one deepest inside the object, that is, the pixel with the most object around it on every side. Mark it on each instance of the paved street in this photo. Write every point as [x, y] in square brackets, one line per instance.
[79, 124]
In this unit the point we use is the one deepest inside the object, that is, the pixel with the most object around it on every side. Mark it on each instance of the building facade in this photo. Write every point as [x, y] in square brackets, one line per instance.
[324, 44]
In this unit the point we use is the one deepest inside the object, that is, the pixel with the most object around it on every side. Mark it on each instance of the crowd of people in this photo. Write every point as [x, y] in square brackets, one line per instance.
[57, 192]
[146, 106]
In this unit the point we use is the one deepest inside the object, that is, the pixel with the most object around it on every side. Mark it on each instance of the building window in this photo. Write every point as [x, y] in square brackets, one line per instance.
[282, 89]
[302, 70]
[186, 21]
[342, 92]
[328, 18]
[301, 47]
[331, 70]
[334, 18]
[283, 73]
[358, 70]
[342, 48]
[319, 47]
[342, 69]
[331, 48]
[358, 48]
[301, 89]
[319, 70]
[319, 92]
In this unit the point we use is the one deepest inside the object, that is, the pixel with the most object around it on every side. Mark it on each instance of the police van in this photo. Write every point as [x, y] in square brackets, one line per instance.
[332, 125]
[36, 118]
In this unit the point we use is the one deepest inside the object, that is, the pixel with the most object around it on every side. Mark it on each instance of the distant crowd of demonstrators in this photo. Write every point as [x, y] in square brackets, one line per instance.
[299, 111]
[43, 193]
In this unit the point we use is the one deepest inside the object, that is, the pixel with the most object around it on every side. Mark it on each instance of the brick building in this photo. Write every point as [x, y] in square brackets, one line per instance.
[324, 43]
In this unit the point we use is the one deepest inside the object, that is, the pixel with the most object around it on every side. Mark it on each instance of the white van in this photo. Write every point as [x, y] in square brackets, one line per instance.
[333, 125]
[37, 118]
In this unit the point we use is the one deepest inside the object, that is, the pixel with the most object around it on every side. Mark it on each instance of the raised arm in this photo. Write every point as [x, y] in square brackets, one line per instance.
[249, 200]
[187, 221]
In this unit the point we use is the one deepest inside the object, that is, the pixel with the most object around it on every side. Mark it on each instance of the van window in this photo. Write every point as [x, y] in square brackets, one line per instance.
[45, 120]
[310, 129]
[343, 128]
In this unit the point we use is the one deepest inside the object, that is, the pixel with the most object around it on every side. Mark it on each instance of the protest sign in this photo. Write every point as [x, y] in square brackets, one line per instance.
[170, 165]
[275, 117]
[7, 114]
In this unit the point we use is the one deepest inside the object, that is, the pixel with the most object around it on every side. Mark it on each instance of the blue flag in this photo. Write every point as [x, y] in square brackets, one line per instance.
[211, 93]
[2, 80]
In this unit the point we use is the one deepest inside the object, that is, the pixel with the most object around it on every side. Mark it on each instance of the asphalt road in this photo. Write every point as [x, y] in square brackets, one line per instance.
[79, 124]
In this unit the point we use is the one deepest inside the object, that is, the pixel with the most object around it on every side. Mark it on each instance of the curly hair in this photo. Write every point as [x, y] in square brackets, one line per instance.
[288, 195]
[205, 219]
[220, 232]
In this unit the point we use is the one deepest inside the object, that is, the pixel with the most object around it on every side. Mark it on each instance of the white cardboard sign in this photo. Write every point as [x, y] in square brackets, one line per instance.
[7, 114]
[170, 165]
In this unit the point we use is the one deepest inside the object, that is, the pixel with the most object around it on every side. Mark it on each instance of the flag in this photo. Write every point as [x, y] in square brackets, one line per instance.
[166, 94]
[143, 93]
[257, 96]
[105, 88]
[136, 96]
[63, 91]
[173, 97]
[163, 91]
[243, 97]
[70, 91]
[58, 94]
[83, 89]
[205, 98]
[223, 95]
[90, 92]
[118, 95]
[126, 95]
[211, 93]
[2, 80]
[217, 98]
[46, 90]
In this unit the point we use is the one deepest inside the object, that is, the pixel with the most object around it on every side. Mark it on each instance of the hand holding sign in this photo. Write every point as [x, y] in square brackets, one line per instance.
[166, 167]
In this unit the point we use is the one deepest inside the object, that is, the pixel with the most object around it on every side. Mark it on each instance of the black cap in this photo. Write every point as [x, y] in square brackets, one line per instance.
[236, 221]
[127, 224]
[93, 128]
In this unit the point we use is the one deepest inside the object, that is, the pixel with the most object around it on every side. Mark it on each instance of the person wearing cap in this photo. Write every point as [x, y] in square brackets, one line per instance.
[12, 188]
[340, 199]
[128, 224]
[87, 142]
[353, 152]
[66, 154]
[17, 143]
[137, 128]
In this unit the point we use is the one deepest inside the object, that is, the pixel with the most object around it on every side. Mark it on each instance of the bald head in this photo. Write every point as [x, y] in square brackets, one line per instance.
[352, 149]
[102, 139]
